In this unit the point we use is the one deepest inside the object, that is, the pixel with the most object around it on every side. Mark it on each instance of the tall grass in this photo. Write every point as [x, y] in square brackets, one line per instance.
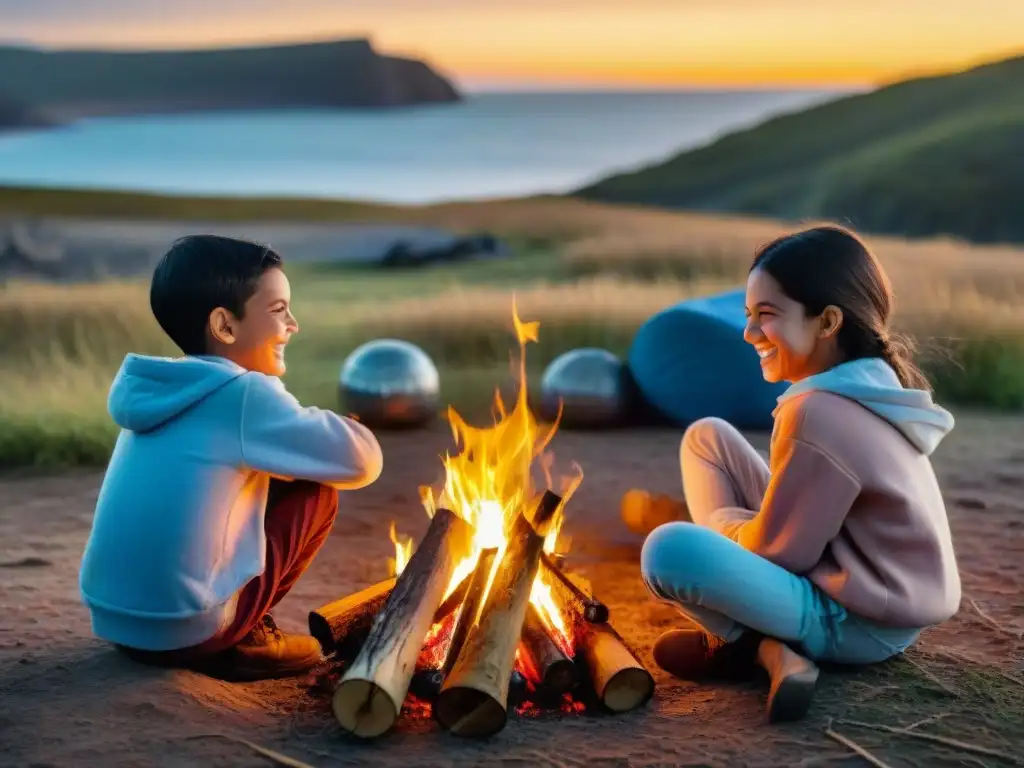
[964, 304]
[60, 346]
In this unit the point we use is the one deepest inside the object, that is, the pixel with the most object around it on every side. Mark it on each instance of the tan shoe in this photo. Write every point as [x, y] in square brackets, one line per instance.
[266, 653]
[643, 511]
[793, 679]
[696, 655]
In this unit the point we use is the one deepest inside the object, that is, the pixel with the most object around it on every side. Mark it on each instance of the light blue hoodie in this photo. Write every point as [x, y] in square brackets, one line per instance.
[874, 384]
[178, 528]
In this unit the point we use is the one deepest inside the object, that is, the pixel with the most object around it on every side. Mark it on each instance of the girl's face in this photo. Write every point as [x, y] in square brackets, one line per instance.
[791, 345]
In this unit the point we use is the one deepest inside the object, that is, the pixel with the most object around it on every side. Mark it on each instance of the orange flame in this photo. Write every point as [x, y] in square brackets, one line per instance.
[403, 551]
[490, 480]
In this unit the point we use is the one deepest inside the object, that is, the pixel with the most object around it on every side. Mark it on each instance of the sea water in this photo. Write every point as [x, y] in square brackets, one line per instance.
[490, 145]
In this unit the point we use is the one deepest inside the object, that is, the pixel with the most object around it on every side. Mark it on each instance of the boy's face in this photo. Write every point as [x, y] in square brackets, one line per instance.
[257, 341]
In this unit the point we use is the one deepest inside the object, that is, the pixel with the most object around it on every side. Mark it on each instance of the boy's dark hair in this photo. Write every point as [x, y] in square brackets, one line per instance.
[200, 273]
[830, 265]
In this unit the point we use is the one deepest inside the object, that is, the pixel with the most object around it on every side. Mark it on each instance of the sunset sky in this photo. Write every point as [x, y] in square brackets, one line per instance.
[589, 43]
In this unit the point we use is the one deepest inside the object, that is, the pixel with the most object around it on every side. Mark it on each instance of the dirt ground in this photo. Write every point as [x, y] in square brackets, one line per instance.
[68, 700]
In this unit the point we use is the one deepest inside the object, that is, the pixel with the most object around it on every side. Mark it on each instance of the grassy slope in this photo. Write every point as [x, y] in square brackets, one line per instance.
[926, 156]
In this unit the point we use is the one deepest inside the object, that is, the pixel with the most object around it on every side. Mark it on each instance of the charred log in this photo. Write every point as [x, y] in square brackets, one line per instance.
[570, 598]
[555, 671]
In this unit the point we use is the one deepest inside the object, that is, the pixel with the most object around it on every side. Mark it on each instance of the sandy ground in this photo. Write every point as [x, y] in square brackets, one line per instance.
[68, 700]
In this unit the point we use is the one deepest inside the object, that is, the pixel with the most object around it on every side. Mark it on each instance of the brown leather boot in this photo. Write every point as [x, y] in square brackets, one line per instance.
[696, 655]
[643, 511]
[792, 680]
[266, 653]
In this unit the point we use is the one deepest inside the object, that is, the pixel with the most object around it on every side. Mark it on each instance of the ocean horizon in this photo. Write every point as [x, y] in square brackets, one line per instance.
[492, 145]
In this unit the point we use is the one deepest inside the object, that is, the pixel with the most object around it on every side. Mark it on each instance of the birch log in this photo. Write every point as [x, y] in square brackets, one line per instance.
[474, 697]
[620, 681]
[369, 697]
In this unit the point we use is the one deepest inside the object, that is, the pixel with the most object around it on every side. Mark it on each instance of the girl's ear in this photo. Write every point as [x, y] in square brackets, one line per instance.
[222, 326]
[831, 322]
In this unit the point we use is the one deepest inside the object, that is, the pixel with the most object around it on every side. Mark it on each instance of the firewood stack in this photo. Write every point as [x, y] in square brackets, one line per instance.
[466, 651]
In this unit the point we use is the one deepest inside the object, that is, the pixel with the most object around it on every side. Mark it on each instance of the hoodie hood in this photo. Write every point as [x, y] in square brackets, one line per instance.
[874, 384]
[151, 391]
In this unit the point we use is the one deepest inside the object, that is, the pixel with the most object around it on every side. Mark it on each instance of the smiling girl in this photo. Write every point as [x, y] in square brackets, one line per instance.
[840, 550]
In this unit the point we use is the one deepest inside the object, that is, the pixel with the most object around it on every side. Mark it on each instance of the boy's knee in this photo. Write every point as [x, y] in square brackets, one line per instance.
[677, 557]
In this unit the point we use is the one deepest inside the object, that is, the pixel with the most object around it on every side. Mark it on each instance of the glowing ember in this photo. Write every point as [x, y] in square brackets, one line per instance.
[490, 481]
[435, 645]
[568, 705]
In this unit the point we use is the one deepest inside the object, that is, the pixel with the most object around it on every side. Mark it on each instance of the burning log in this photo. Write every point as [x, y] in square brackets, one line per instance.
[570, 598]
[620, 681]
[369, 696]
[341, 627]
[474, 698]
[555, 671]
[474, 594]
[454, 600]
[556, 559]
[545, 510]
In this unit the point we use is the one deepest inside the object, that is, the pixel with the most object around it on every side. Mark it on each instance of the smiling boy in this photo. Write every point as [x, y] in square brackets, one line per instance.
[221, 487]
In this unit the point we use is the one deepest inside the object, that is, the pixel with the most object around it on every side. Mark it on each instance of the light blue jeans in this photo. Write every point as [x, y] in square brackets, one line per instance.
[727, 589]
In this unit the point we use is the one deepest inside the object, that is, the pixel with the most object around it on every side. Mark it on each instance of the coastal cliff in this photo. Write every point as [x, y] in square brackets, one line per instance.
[69, 84]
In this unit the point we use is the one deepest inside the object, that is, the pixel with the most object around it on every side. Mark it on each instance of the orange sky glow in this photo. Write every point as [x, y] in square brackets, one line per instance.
[630, 43]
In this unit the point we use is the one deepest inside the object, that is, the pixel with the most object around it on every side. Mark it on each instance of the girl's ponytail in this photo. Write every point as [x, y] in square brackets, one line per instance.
[898, 352]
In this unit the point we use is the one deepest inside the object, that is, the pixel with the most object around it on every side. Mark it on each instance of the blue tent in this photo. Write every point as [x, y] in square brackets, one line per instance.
[690, 361]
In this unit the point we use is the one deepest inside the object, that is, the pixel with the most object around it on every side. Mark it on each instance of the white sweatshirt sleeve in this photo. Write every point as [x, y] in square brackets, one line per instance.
[280, 437]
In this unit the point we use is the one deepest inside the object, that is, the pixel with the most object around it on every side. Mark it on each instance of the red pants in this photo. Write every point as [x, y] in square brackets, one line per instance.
[299, 518]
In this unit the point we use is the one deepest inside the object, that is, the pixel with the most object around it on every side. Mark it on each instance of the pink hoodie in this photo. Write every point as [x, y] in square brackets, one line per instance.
[853, 502]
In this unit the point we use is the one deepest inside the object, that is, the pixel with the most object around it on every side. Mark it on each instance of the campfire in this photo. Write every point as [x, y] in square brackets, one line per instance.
[481, 616]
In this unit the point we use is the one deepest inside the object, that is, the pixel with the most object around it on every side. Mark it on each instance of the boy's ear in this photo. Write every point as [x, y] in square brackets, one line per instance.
[222, 326]
[831, 321]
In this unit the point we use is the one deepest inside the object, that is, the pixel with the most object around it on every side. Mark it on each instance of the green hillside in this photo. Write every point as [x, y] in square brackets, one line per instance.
[935, 155]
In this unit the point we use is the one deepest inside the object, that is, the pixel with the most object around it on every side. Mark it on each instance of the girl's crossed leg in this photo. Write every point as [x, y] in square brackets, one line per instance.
[728, 590]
